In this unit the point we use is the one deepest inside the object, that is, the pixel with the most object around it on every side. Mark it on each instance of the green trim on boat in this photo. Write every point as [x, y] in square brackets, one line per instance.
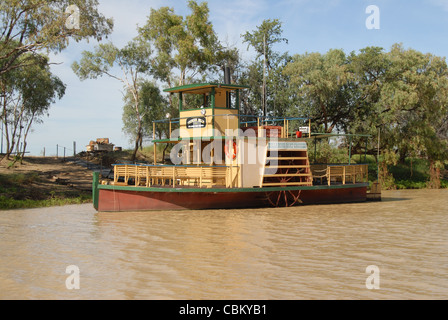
[205, 85]
[231, 190]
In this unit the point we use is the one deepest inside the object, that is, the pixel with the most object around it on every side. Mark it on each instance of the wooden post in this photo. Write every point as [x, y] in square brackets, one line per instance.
[350, 151]
[284, 129]
[170, 128]
[174, 176]
[231, 175]
[309, 128]
[155, 154]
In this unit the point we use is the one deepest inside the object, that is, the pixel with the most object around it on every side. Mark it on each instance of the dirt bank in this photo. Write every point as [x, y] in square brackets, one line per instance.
[39, 178]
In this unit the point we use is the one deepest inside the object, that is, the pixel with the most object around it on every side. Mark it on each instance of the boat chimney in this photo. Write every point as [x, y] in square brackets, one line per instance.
[227, 75]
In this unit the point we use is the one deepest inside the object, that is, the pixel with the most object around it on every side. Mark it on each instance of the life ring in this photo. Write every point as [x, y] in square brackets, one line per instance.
[227, 151]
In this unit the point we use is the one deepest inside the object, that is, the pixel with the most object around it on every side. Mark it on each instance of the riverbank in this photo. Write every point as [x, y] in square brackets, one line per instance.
[43, 182]
[50, 181]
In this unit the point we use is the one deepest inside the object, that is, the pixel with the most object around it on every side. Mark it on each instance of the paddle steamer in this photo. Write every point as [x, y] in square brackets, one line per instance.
[223, 159]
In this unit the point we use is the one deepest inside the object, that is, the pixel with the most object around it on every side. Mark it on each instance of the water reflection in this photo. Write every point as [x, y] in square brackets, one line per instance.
[312, 252]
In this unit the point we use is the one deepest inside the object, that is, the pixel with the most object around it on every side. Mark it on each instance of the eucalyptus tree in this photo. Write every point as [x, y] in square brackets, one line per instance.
[152, 106]
[321, 81]
[33, 26]
[269, 93]
[26, 96]
[185, 47]
[127, 65]
[403, 94]
[415, 97]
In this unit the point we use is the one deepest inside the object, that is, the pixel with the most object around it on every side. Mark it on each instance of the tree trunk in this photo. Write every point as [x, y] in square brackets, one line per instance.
[164, 152]
[137, 141]
[434, 175]
[30, 123]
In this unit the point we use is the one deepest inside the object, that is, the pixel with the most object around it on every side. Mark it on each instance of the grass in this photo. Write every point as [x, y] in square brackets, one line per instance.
[21, 190]
[10, 204]
[413, 174]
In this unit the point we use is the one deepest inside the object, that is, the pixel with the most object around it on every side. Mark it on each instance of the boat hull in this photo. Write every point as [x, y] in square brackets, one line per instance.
[116, 199]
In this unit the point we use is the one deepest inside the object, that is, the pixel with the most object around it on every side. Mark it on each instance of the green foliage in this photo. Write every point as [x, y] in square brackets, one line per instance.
[185, 44]
[264, 37]
[10, 204]
[322, 83]
[13, 196]
[401, 95]
[153, 106]
[329, 151]
[279, 97]
[407, 184]
[133, 62]
[26, 95]
[39, 25]
[444, 184]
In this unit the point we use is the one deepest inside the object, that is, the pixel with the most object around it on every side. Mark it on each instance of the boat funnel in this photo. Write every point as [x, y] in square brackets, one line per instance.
[227, 75]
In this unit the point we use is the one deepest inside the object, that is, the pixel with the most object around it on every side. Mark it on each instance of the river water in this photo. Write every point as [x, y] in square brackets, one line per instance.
[308, 252]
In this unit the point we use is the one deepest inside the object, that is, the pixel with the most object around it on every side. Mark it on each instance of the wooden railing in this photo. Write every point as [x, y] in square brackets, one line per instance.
[341, 173]
[199, 176]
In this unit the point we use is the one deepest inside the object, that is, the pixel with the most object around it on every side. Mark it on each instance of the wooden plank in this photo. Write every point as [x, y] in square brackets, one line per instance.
[288, 167]
[287, 158]
[286, 184]
[288, 175]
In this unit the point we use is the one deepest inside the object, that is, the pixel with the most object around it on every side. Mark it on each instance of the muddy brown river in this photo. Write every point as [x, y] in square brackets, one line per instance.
[394, 249]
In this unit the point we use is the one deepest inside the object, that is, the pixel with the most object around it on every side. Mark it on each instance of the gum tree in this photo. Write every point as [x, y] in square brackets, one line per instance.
[127, 65]
[29, 27]
[26, 96]
[269, 85]
[322, 83]
[185, 47]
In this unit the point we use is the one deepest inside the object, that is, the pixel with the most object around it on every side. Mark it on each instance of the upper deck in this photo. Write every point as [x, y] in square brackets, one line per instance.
[212, 111]
[207, 109]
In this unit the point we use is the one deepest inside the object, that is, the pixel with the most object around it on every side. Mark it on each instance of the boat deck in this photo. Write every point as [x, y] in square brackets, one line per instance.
[222, 177]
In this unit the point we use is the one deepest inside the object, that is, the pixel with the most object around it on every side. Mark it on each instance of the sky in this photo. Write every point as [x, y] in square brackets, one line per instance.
[92, 109]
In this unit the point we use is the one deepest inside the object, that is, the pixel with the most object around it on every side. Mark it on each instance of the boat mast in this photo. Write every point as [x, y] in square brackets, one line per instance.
[264, 78]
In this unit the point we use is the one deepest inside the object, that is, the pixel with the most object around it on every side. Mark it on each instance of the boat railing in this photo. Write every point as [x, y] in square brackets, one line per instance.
[245, 121]
[340, 173]
[179, 175]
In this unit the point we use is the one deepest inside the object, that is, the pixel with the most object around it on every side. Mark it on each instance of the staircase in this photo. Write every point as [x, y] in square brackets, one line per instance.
[287, 167]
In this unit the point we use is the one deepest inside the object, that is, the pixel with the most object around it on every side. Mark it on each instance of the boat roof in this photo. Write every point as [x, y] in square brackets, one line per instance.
[201, 88]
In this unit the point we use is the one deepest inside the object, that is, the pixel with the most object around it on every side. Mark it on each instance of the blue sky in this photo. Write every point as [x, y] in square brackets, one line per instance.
[92, 109]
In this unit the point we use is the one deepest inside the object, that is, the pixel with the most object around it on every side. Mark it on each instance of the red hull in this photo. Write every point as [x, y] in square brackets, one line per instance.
[125, 200]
